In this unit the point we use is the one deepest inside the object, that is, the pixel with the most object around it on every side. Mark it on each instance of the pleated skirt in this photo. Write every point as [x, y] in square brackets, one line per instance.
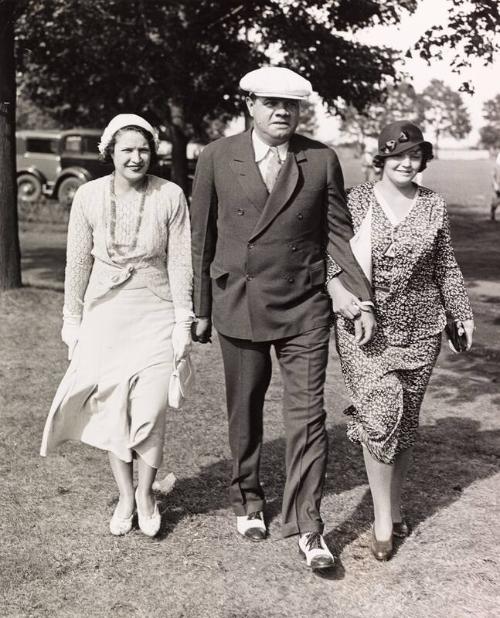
[114, 393]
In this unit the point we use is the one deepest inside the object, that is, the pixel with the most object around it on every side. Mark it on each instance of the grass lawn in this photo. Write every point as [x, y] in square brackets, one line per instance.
[58, 558]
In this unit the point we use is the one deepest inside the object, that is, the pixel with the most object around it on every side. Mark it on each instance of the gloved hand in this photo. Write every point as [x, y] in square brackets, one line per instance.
[69, 332]
[181, 339]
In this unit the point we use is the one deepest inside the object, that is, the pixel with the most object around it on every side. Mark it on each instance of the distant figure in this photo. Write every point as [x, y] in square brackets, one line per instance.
[127, 314]
[404, 232]
[495, 200]
[366, 157]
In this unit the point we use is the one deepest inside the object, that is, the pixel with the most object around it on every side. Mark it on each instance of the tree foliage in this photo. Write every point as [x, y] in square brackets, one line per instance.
[444, 112]
[490, 133]
[473, 31]
[178, 62]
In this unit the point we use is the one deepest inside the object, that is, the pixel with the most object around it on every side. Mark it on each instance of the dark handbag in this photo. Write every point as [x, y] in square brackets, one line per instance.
[457, 340]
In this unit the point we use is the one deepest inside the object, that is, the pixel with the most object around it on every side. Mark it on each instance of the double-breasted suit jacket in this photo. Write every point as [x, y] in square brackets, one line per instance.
[259, 258]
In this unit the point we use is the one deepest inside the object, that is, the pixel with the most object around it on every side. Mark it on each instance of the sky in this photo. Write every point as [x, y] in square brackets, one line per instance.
[486, 80]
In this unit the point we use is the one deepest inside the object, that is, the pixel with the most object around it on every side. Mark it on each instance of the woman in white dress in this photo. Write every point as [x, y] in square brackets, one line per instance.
[127, 314]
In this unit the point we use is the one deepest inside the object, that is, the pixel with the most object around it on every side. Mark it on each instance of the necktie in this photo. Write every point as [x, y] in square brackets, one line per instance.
[273, 168]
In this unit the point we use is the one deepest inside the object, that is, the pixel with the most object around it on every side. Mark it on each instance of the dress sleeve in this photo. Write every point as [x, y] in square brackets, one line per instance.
[179, 264]
[79, 258]
[448, 275]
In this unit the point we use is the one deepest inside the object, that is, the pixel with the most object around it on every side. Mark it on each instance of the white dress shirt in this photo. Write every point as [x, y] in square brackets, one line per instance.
[262, 152]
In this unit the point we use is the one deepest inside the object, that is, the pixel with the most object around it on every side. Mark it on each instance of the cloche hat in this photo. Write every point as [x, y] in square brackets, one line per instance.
[400, 136]
[125, 120]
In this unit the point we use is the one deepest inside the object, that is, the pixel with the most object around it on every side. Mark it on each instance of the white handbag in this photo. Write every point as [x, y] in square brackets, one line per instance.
[181, 383]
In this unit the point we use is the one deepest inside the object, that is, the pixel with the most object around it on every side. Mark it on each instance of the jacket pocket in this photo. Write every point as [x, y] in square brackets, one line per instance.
[317, 273]
[216, 272]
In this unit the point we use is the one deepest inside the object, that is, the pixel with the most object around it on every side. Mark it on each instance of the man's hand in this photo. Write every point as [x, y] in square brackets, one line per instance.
[364, 327]
[201, 330]
[344, 302]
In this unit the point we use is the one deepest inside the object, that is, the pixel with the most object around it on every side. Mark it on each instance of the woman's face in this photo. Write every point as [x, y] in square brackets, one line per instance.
[131, 156]
[402, 168]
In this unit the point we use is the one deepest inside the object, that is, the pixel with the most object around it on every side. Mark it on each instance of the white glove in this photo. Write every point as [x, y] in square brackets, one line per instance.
[69, 332]
[181, 339]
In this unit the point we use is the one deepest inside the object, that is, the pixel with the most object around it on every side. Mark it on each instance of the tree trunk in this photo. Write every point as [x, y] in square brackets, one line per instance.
[179, 147]
[10, 257]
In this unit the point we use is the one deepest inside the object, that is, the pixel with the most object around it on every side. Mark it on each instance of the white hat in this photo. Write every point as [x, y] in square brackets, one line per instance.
[276, 82]
[125, 120]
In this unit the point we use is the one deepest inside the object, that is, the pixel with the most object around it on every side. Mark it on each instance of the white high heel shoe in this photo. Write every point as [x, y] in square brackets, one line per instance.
[149, 524]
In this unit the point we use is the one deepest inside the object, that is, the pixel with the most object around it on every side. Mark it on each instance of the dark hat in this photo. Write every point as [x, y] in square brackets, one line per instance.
[400, 136]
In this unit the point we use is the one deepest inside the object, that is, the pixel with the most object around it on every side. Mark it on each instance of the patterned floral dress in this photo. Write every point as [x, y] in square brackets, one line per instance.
[388, 377]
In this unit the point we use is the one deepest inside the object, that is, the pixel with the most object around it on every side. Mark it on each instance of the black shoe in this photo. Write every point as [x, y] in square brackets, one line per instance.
[252, 526]
[401, 529]
[313, 547]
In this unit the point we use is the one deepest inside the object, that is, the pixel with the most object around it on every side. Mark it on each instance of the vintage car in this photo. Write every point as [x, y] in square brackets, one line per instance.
[56, 163]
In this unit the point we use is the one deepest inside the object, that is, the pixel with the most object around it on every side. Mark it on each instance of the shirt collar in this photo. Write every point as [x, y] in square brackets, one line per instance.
[261, 149]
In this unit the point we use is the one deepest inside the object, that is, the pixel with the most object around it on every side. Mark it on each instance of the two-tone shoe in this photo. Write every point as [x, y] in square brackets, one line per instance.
[252, 526]
[314, 549]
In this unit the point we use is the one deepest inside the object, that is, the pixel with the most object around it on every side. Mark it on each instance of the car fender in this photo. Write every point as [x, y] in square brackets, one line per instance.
[34, 172]
[78, 172]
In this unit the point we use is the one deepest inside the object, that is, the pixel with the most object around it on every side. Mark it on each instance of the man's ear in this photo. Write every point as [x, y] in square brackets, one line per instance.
[250, 105]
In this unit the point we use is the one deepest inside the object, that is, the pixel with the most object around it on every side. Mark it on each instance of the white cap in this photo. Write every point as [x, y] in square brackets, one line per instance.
[125, 120]
[276, 82]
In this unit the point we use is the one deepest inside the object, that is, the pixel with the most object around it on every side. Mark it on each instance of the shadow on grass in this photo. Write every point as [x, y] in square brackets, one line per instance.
[449, 456]
[44, 266]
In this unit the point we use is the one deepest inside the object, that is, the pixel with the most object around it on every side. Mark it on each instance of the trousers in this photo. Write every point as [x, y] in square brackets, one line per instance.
[247, 366]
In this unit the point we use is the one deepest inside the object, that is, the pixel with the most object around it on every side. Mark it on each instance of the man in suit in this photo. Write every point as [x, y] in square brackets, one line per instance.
[268, 215]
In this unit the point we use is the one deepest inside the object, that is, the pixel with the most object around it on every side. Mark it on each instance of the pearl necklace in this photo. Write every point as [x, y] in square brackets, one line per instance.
[116, 248]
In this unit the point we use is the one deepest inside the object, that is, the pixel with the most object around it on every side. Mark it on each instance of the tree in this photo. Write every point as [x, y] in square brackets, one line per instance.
[308, 124]
[473, 31]
[10, 259]
[490, 133]
[400, 102]
[179, 62]
[444, 112]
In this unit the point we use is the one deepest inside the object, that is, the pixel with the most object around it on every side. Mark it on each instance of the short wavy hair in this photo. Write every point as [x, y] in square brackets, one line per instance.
[426, 150]
[106, 157]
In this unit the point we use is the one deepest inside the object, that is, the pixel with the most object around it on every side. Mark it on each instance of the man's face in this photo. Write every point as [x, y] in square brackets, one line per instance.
[274, 120]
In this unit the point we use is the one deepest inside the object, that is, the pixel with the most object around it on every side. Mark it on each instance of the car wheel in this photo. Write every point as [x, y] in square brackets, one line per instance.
[67, 189]
[29, 188]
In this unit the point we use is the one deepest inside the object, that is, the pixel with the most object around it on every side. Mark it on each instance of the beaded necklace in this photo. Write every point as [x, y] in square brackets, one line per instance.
[114, 245]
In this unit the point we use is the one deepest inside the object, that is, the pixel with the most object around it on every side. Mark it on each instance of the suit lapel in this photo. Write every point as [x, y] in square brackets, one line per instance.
[283, 189]
[246, 170]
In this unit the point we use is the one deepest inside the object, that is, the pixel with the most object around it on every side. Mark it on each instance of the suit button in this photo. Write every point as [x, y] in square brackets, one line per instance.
[249, 277]
[251, 245]
[300, 216]
[291, 279]
[294, 247]
[240, 211]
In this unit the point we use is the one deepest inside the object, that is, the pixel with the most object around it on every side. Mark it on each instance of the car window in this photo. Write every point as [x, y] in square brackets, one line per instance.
[42, 145]
[73, 144]
[90, 143]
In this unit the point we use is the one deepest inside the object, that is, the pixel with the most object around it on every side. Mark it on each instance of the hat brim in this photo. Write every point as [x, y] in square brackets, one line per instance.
[274, 95]
[403, 147]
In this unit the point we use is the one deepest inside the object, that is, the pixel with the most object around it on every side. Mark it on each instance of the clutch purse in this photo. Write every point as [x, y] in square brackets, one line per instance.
[181, 382]
[457, 340]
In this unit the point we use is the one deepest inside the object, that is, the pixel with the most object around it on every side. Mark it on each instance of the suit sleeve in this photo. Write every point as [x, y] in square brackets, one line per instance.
[340, 232]
[204, 232]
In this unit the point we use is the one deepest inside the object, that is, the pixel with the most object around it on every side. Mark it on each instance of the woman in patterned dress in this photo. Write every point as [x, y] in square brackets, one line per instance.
[127, 314]
[402, 240]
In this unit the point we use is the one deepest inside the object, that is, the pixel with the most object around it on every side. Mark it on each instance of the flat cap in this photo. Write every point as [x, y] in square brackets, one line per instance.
[276, 82]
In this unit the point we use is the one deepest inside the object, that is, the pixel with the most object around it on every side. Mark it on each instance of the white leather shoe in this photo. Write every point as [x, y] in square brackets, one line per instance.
[252, 526]
[149, 524]
[118, 526]
[313, 547]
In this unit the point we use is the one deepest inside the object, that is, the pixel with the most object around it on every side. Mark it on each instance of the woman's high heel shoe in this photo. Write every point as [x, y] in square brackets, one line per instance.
[118, 526]
[382, 550]
[149, 524]
[401, 529]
